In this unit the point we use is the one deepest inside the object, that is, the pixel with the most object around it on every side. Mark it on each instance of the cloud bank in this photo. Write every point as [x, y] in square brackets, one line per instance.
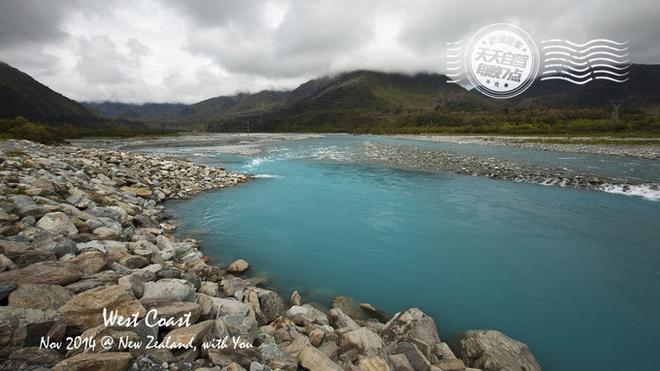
[186, 51]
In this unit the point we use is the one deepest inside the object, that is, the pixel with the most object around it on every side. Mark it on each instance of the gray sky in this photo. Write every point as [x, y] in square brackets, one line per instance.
[185, 51]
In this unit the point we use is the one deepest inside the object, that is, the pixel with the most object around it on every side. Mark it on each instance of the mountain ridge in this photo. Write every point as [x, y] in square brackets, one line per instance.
[362, 88]
[22, 95]
[360, 101]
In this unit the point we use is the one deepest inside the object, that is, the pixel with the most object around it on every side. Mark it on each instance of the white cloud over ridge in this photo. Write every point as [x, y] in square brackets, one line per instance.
[186, 51]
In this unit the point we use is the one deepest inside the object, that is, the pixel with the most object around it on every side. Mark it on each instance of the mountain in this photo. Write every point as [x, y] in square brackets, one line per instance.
[209, 109]
[368, 101]
[21, 95]
[349, 93]
[360, 101]
[137, 112]
[641, 91]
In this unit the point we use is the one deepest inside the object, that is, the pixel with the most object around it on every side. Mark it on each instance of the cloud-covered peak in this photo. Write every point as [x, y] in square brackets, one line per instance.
[171, 51]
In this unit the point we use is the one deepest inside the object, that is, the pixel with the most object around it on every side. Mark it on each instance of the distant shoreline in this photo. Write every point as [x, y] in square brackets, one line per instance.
[410, 157]
[639, 147]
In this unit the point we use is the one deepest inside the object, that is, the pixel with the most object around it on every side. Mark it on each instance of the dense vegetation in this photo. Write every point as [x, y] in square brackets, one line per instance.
[22, 128]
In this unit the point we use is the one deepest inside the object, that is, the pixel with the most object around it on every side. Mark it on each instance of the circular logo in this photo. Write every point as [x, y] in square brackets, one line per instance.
[501, 61]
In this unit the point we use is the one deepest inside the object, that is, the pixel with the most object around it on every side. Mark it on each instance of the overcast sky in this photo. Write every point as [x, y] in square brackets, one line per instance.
[185, 51]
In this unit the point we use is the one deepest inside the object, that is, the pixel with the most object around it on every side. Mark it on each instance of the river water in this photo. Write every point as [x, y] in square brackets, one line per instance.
[572, 273]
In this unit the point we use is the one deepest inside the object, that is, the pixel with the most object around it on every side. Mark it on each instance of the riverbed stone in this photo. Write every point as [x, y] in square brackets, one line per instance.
[36, 356]
[85, 310]
[133, 261]
[39, 296]
[57, 223]
[400, 362]
[309, 357]
[169, 289]
[238, 357]
[362, 339]
[375, 363]
[112, 212]
[232, 284]
[100, 279]
[6, 288]
[195, 333]
[243, 326]
[90, 262]
[266, 304]
[306, 313]
[229, 306]
[58, 244]
[238, 266]
[135, 282]
[23, 255]
[491, 350]
[413, 355]
[6, 264]
[27, 207]
[408, 325]
[209, 288]
[105, 233]
[48, 272]
[295, 298]
[450, 364]
[111, 361]
[20, 327]
[339, 319]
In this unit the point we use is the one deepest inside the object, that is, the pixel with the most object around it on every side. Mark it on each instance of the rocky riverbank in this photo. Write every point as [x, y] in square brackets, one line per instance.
[646, 148]
[82, 231]
[411, 157]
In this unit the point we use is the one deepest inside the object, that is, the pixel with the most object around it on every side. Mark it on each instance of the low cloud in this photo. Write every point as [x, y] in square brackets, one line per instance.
[167, 50]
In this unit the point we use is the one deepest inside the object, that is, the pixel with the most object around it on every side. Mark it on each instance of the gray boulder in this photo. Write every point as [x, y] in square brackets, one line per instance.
[21, 327]
[412, 325]
[6, 288]
[301, 314]
[173, 289]
[48, 272]
[245, 327]
[491, 350]
[58, 244]
[57, 223]
[39, 296]
[27, 207]
[23, 255]
[339, 319]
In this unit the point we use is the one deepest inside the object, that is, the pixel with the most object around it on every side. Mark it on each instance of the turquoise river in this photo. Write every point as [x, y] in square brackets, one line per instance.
[573, 273]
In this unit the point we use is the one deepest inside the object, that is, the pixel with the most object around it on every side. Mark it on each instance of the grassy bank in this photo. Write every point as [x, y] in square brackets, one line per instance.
[21, 128]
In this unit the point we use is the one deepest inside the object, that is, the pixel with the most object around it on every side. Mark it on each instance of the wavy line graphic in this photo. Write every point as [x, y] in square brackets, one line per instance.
[577, 82]
[571, 68]
[454, 61]
[590, 73]
[598, 59]
[601, 41]
[588, 63]
[588, 56]
[578, 51]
